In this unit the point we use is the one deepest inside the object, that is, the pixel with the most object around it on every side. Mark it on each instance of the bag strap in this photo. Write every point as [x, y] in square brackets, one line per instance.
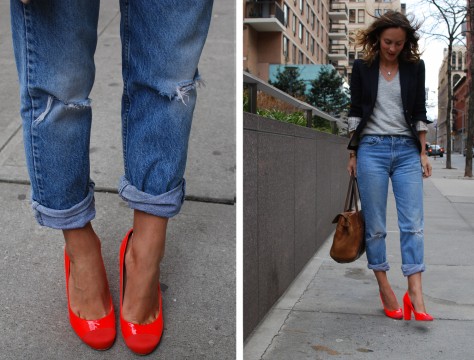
[352, 196]
[349, 195]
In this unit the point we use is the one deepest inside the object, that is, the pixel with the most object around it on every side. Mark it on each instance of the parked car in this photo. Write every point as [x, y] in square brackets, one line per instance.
[465, 151]
[435, 150]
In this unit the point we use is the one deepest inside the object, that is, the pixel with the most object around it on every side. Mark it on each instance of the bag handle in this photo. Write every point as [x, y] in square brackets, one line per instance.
[352, 195]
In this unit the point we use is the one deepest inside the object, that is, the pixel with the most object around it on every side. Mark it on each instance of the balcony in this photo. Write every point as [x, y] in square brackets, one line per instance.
[265, 16]
[338, 11]
[338, 32]
[337, 52]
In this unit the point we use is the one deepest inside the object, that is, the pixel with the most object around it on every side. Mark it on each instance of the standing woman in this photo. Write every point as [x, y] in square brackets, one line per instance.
[387, 123]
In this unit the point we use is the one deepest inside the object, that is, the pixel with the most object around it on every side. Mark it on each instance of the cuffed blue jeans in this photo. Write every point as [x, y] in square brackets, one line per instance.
[54, 44]
[380, 158]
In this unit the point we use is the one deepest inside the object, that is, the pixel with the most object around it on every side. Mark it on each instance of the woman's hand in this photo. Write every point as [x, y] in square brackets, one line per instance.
[352, 166]
[425, 164]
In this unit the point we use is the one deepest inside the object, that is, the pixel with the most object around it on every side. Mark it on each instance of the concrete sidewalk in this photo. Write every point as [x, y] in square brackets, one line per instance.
[333, 311]
[198, 273]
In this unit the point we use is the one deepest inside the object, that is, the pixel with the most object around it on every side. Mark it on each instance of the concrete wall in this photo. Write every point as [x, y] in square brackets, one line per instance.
[295, 182]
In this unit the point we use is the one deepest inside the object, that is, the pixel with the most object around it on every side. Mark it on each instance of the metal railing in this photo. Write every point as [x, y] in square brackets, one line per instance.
[337, 49]
[338, 6]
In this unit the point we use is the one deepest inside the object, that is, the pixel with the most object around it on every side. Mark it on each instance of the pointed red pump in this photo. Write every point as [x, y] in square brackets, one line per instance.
[141, 339]
[98, 334]
[408, 307]
[394, 314]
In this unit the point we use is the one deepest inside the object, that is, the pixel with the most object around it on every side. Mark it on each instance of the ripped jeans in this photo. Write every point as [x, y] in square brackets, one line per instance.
[380, 158]
[54, 44]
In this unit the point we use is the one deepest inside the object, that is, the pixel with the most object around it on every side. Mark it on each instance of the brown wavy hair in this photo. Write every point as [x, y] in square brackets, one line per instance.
[369, 39]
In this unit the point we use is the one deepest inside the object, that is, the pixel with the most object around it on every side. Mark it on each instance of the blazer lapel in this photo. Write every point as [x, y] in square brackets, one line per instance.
[374, 80]
[404, 82]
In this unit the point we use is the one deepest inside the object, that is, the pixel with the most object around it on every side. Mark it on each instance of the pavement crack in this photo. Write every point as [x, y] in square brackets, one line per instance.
[10, 138]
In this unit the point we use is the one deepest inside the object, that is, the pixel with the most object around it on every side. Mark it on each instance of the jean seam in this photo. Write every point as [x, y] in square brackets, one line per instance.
[126, 72]
[29, 75]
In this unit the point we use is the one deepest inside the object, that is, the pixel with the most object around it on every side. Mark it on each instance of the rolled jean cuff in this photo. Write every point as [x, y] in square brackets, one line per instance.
[73, 218]
[379, 267]
[410, 269]
[164, 205]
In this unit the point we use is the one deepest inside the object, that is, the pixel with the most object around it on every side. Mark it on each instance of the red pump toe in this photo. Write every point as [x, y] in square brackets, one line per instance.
[98, 334]
[394, 314]
[408, 306]
[141, 339]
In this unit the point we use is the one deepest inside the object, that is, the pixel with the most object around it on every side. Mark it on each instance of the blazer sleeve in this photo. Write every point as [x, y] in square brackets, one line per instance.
[419, 109]
[356, 92]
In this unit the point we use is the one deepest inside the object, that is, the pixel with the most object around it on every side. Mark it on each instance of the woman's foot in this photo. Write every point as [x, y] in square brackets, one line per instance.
[89, 294]
[386, 293]
[415, 292]
[142, 269]
[389, 299]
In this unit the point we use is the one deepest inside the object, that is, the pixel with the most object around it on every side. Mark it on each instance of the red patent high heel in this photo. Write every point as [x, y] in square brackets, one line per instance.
[141, 339]
[394, 314]
[419, 316]
[98, 334]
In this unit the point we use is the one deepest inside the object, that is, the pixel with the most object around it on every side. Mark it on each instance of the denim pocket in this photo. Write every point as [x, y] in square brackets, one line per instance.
[371, 140]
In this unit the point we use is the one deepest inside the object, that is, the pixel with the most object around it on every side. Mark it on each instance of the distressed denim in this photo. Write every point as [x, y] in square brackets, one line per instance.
[54, 45]
[380, 158]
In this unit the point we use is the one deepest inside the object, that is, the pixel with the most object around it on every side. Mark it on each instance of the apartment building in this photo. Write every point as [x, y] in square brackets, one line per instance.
[306, 32]
[294, 32]
[458, 70]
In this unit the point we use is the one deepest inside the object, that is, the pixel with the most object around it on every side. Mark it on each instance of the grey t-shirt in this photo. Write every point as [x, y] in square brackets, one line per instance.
[387, 117]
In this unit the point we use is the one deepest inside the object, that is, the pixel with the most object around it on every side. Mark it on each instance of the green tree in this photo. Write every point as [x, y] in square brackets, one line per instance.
[327, 92]
[289, 81]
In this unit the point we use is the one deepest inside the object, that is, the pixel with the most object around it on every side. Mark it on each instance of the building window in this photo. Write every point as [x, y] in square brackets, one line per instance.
[460, 60]
[294, 54]
[317, 28]
[322, 56]
[300, 57]
[300, 32]
[378, 13]
[286, 12]
[294, 24]
[301, 6]
[307, 40]
[285, 47]
[312, 20]
[317, 52]
[352, 15]
[312, 45]
[319, 6]
[361, 16]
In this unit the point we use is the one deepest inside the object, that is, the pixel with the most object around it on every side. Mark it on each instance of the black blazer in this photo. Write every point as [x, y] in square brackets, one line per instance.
[364, 87]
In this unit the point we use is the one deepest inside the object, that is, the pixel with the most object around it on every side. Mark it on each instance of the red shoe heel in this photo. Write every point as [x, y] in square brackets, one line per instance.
[394, 314]
[141, 339]
[98, 334]
[408, 306]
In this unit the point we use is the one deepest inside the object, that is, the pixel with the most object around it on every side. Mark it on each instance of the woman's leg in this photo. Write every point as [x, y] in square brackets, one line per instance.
[373, 171]
[407, 183]
[54, 44]
[161, 45]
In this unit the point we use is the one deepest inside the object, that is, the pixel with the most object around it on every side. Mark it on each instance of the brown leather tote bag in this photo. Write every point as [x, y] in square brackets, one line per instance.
[349, 239]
